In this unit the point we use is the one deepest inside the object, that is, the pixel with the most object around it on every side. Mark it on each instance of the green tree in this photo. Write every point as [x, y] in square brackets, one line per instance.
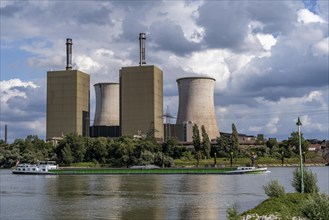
[224, 146]
[206, 145]
[271, 143]
[235, 140]
[294, 143]
[196, 143]
[67, 155]
[310, 181]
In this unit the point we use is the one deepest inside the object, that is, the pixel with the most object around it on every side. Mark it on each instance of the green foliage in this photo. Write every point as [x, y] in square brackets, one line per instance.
[317, 207]
[206, 145]
[196, 143]
[235, 140]
[294, 143]
[286, 207]
[232, 214]
[274, 189]
[310, 181]
[224, 146]
[187, 155]
[271, 143]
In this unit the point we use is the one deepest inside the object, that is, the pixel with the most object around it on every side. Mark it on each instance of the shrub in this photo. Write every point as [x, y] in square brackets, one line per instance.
[232, 214]
[316, 207]
[310, 181]
[274, 189]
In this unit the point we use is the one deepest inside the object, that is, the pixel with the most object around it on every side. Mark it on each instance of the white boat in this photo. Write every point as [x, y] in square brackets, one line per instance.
[249, 170]
[40, 168]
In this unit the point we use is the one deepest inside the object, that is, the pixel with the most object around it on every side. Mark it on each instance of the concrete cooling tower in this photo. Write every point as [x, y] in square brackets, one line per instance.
[196, 103]
[107, 104]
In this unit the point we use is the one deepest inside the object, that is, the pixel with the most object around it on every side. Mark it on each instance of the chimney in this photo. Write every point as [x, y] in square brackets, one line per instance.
[142, 38]
[69, 54]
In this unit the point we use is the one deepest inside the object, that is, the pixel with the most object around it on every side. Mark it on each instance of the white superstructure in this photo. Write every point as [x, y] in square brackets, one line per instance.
[42, 167]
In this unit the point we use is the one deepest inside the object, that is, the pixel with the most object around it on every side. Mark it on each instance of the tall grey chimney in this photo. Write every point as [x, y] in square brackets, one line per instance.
[142, 38]
[69, 54]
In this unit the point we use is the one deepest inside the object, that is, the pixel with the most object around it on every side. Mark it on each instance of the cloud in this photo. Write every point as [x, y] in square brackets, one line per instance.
[14, 88]
[272, 125]
[306, 16]
[269, 58]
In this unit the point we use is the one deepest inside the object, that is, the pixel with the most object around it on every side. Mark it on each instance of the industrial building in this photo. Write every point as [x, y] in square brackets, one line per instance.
[141, 101]
[107, 112]
[68, 100]
[196, 106]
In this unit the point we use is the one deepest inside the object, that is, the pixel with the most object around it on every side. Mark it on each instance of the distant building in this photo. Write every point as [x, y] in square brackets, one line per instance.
[141, 101]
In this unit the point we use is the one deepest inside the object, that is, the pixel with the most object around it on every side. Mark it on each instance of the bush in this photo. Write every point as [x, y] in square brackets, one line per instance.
[232, 214]
[316, 207]
[310, 181]
[274, 189]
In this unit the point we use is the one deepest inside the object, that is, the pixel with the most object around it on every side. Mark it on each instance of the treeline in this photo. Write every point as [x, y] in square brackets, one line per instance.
[123, 152]
[127, 151]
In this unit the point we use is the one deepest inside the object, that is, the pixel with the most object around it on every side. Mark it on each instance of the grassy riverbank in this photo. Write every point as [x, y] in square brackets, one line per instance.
[290, 206]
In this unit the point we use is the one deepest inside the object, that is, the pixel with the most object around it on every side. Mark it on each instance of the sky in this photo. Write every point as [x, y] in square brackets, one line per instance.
[269, 58]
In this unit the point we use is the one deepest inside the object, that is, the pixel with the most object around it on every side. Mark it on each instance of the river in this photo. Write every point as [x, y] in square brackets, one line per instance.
[138, 196]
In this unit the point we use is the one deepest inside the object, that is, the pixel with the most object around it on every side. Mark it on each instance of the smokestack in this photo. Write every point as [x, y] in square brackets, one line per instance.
[6, 133]
[142, 38]
[69, 54]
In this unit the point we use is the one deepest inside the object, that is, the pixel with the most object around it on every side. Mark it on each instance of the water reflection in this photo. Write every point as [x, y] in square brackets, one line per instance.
[137, 196]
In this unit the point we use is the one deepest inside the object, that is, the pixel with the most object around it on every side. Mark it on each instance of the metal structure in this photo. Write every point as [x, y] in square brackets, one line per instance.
[196, 103]
[69, 54]
[142, 38]
[107, 112]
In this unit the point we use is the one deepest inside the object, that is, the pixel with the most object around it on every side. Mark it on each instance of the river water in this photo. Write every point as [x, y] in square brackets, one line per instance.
[138, 196]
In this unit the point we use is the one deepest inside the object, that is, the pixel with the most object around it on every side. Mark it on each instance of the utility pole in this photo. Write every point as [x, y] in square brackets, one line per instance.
[300, 155]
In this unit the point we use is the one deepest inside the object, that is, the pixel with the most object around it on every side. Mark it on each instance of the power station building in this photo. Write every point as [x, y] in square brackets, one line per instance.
[196, 106]
[68, 98]
[107, 112]
[141, 101]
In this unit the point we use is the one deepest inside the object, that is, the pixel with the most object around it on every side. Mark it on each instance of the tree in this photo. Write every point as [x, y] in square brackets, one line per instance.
[206, 145]
[235, 140]
[224, 146]
[271, 143]
[196, 142]
[294, 143]
[310, 181]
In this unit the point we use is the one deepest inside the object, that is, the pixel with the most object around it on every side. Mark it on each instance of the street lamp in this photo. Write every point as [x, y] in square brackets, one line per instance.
[300, 156]
[215, 157]
[282, 157]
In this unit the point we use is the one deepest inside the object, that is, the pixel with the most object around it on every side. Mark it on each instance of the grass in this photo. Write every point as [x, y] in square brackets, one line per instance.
[287, 206]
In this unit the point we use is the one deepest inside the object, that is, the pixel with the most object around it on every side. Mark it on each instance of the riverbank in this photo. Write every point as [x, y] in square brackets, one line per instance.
[297, 206]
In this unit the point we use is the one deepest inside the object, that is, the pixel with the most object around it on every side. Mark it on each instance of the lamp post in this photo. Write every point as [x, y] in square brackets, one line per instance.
[215, 157]
[300, 156]
[282, 158]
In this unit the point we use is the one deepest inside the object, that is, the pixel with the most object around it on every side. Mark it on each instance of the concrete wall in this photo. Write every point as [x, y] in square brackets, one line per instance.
[107, 104]
[196, 103]
[141, 101]
[68, 98]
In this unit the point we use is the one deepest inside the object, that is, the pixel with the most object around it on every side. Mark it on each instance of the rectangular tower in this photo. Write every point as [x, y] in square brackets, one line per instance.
[68, 103]
[141, 101]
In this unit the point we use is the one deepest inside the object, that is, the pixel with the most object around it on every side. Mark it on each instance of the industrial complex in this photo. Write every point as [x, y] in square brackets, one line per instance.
[133, 106]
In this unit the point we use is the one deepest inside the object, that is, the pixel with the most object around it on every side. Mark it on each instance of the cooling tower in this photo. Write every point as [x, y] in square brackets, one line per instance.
[196, 103]
[107, 104]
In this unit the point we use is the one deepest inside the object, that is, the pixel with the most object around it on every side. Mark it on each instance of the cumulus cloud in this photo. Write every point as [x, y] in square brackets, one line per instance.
[306, 16]
[269, 58]
[14, 88]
